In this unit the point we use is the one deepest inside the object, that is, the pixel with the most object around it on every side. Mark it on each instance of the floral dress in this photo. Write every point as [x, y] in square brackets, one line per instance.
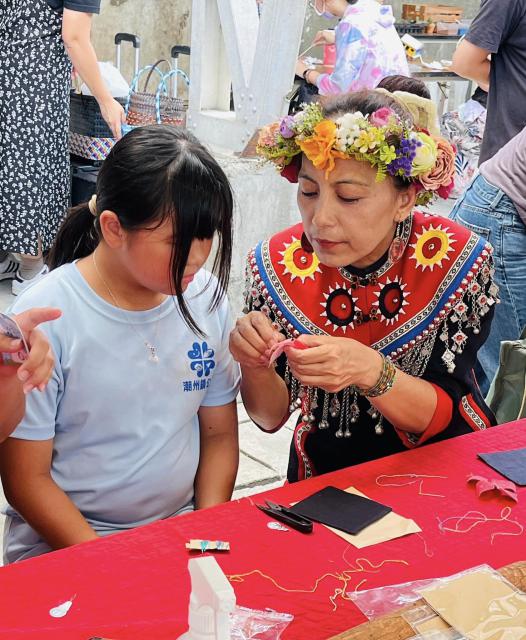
[429, 312]
[368, 49]
[34, 122]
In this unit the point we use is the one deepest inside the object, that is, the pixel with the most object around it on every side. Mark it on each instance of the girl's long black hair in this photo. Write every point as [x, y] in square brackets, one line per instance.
[154, 173]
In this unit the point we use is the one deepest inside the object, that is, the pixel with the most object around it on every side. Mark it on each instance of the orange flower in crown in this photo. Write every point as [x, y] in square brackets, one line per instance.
[319, 148]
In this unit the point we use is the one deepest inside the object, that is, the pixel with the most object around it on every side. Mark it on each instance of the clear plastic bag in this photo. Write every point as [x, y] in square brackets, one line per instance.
[249, 624]
[481, 604]
[428, 625]
[374, 603]
[448, 634]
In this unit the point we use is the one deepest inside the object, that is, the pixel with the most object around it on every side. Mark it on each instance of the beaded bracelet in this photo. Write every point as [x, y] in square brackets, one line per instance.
[385, 381]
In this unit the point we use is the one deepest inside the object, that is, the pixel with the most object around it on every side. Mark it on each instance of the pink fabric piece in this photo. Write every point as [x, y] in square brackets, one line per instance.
[505, 487]
[274, 352]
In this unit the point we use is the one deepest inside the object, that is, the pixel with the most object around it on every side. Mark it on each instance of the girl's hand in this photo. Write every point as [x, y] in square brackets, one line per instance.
[252, 337]
[334, 363]
[36, 371]
[114, 115]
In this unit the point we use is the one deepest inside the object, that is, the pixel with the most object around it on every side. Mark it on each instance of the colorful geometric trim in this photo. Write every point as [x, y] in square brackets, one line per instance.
[305, 467]
[473, 414]
[452, 288]
[272, 289]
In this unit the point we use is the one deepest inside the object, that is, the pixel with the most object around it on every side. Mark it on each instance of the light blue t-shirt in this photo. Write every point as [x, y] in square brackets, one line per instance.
[125, 429]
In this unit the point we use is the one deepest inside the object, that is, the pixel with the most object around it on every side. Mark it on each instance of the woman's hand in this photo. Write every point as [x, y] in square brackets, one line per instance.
[335, 363]
[113, 114]
[36, 371]
[252, 336]
[327, 36]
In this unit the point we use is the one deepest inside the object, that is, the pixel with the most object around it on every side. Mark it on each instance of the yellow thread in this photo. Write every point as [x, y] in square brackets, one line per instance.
[344, 577]
[412, 479]
[357, 587]
[476, 518]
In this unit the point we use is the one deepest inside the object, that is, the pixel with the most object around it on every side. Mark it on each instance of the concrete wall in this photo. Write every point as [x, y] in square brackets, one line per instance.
[159, 23]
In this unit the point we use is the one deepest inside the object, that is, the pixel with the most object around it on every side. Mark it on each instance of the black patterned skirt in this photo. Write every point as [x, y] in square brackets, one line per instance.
[34, 122]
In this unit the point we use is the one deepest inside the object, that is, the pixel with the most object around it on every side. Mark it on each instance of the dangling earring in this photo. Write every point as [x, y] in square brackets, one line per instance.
[305, 244]
[397, 248]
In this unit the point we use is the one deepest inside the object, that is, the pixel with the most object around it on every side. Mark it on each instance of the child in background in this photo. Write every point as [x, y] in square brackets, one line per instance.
[138, 422]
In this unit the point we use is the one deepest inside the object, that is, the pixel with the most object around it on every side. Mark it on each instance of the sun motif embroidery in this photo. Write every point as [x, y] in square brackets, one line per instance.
[432, 246]
[392, 298]
[298, 263]
[339, 308]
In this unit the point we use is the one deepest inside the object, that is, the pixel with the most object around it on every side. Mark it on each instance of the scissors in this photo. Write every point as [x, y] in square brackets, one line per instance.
[287, 516]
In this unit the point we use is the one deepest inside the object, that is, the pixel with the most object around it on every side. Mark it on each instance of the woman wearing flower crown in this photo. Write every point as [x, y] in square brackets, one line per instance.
[379, 309]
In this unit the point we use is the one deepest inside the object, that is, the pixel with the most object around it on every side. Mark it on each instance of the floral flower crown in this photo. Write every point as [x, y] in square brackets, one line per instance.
[381, 138]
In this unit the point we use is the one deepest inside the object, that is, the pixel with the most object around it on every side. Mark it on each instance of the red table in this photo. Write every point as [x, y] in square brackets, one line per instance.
[135, 585]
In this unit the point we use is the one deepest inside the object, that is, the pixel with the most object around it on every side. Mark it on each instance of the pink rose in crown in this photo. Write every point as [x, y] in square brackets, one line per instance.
[380, 118]
[441, 175]
[268, 135]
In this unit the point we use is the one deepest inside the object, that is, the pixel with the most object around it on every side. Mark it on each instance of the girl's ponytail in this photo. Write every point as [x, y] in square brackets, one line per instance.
[76, 238]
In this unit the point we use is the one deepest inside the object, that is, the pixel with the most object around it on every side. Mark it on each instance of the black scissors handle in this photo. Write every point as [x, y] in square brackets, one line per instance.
[284, 515]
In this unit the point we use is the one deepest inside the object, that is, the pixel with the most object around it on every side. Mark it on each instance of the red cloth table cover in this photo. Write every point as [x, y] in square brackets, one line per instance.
[135, 585]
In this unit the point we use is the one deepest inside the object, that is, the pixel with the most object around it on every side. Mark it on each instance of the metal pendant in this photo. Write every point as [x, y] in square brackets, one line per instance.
[153, 357]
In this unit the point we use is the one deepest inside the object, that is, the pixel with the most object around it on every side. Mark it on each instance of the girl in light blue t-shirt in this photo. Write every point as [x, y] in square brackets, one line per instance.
[138, 422]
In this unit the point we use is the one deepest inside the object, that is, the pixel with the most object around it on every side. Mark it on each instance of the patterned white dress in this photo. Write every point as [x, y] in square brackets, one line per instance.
[34, 122]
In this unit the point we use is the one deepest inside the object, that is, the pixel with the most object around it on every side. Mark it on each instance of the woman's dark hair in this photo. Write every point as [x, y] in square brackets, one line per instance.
[404, 83]
[367, 102]
[154, 173]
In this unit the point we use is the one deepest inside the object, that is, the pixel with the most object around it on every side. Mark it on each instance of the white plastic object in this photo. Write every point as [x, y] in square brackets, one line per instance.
[212, 600]
[412, 43]
[62, 609]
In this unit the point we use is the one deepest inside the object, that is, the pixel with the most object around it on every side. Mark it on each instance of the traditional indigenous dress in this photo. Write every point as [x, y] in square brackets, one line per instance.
[429, 312]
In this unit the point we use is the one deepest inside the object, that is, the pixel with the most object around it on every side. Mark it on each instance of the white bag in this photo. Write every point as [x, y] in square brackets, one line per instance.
[113, 79]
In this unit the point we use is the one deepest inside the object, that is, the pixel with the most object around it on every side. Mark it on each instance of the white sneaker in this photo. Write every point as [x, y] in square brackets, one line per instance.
[20, 284]
[8, 269]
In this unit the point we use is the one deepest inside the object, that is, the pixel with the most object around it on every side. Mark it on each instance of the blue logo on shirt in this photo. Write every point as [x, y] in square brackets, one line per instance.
[201, 359]
[202, 362]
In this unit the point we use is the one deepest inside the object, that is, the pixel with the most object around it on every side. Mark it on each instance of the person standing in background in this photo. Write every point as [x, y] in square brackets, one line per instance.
[368, 47]
[499, 30]
[495, 207]
[39, 39]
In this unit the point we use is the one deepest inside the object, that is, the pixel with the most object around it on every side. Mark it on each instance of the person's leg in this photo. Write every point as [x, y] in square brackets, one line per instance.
[32, 269]
[8, 266]
[488, 212]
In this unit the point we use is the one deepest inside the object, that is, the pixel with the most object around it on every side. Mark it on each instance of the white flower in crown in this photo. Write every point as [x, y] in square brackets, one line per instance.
[349, 127]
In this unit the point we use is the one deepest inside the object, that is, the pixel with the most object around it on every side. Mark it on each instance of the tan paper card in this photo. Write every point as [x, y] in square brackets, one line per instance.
[433, 624]
[481, 605]
[390, 527]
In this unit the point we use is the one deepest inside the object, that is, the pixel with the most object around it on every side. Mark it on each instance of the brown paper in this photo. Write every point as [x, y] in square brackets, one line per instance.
[481, 606]
[389, 527]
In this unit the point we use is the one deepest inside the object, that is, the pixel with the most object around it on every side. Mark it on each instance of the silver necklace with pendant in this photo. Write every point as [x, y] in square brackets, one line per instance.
[151, 348]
